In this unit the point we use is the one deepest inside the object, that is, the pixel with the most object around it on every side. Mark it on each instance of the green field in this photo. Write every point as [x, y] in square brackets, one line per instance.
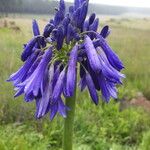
[102, 127]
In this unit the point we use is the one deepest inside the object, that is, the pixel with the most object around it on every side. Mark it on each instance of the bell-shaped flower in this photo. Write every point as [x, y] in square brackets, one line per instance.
[32, 85]
[35, 28]
[108, 89]
[71, 72]
[111, 55]
[91, 88]
[22, 73]
[58, 89]
[105, 31]
[92, 54]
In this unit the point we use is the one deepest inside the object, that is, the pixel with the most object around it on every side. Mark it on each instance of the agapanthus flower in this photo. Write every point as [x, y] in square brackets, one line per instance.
[70, 43]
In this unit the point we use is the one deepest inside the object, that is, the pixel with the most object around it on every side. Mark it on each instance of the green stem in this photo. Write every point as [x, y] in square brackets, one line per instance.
[68, 123]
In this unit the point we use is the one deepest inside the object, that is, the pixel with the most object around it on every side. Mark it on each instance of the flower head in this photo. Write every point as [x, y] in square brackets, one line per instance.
[51, 61]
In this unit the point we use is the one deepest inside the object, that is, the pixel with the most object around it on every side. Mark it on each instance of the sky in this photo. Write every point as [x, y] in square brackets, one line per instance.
[130, 3]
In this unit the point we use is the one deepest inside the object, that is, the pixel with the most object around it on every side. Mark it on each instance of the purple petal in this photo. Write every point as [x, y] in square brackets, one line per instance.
[92, 54]
[56, 75]
[71, 10]
[71, 72]
[29, 97]
[34, 66]
[94, 25]
[51, 73]
[33, 83]
[75, 16]
[92, 18]
[107, 88]
[82, 83]
[83, 13]
[19, 92]
[62, 6]
[70, 33]
[109, 72]
[65, 23]
[35, 28]
[82, 71]
[44, 101]
[62, 108]
[93, 75]
[111, 55]
[86, 25]
[91, 88]
[76, 4]
[21, 74]
[64, 87]
[60, 38]
[105, 31]
[58, 86]
[53, 110]
[48, 29]
[59, 16]
[28, 49]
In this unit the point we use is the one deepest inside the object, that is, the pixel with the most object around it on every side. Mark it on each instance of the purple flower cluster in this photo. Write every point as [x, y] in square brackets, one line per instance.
[51, 61]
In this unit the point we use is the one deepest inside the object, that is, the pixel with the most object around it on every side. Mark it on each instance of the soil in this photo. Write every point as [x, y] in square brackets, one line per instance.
[138, 101]
[141, 102]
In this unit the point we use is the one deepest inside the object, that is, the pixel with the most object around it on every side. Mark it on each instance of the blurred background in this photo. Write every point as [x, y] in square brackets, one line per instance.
[123, 124]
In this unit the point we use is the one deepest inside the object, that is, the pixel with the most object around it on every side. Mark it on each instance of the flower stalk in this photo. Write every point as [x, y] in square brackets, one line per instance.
[68, 123]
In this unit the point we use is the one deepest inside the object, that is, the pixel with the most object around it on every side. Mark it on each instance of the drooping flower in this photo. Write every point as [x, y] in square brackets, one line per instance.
[58, 89]
[72, 71]
[92, 54]
[35, 28]
[70, 43]
[33, 85]
[91, 88]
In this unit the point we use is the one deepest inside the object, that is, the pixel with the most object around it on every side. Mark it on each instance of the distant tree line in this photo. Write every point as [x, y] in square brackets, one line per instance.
[28, 6]
[47, 7]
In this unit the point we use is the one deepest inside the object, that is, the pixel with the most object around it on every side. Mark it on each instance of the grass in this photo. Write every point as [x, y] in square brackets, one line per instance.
[96, 128]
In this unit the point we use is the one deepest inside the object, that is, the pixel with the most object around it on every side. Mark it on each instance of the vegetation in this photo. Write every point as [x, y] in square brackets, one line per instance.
[101, 127]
